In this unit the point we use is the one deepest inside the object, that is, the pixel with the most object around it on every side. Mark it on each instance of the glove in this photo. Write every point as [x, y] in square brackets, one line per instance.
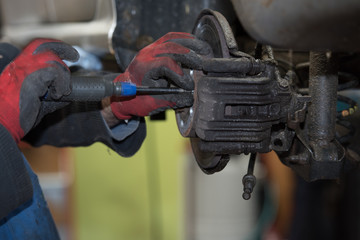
[36, 71]
[156, 66]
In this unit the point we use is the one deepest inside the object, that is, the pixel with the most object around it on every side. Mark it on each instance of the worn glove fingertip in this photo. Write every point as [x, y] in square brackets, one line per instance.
[66, 52]
[63, 50]
[73, 55]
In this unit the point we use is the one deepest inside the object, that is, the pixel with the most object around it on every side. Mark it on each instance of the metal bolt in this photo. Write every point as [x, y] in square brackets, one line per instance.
[283, 83]
[249, 182]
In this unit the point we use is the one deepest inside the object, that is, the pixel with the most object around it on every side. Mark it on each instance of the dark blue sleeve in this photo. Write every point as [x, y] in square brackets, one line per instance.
[7, 52]
[81, 124]
[15, 183]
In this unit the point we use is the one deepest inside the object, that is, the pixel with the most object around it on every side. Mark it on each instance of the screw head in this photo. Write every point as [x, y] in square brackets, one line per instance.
[246, 196]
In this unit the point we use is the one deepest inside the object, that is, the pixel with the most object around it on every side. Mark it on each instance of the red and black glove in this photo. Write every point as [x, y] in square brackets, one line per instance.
[38, 70]
[157, 66]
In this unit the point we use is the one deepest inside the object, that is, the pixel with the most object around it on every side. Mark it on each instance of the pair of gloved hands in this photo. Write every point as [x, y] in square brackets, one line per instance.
[39, 69]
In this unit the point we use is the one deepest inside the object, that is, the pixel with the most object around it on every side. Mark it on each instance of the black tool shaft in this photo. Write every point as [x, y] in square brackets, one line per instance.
[95, 88]
[158, 91]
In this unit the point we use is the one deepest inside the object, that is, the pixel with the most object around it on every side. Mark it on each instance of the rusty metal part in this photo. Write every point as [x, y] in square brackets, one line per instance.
[209, 162]
[249, 66]
[243, 105]
[240, 105]
[317, 154]
[217, 17]
[322, 111]
[209, 29]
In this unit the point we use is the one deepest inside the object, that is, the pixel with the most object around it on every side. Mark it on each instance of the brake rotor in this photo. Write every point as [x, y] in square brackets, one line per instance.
[212, 28]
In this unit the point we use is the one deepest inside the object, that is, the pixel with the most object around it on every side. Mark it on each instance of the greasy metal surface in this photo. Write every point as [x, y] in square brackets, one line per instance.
[185, 120]
[209, 162]
[239, 110]
[225, 27]
[316, 154]
[300, 159]
[323, 84]
[209, 29]
[240, 104]
[302, 24]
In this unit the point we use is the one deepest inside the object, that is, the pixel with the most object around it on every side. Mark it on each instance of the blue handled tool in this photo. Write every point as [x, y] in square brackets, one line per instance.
[95, 88]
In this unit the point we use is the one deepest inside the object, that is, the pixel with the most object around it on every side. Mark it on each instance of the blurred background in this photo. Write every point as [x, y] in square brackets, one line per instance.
[160, 193]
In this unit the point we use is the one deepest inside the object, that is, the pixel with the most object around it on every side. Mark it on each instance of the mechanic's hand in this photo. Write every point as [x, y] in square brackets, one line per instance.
[36, 71]
[155, 66]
